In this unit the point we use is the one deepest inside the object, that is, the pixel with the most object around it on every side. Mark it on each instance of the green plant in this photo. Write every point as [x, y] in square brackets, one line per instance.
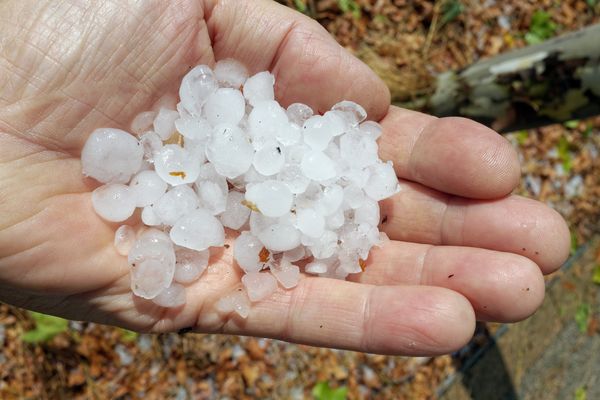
[541, 28]
[573, 124]
[574, 243]
[581, 393]
[350, 6]
[522, 137]
[46, 327]
[128, 336]
[582, 316]
[451, 9]
[564, 154]
[300, 5]
[596, 275]
[322, 391]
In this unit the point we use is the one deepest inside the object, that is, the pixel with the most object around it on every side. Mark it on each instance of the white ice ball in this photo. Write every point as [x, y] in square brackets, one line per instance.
[230, 150]
[259, 88]
[147, 188]
[310, 222]
[269, 159]
[271, 197]
[176, 165]
[280, 237]
[114, 202]
[198, 230]
[231, 73]
[225, 106]
[383, 182]
[176, 203]
[195, 88]
[317, 166]
[111, 156]
[266, 121]
[193, 128]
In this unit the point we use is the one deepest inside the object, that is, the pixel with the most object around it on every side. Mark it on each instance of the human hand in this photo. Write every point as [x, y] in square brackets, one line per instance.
[461, 247]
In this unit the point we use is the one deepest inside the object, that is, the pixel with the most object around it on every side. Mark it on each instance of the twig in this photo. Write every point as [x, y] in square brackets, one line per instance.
[432, 28]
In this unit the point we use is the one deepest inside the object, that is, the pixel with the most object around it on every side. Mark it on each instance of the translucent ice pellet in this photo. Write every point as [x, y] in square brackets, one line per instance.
[152, 260]
[353, 113]
[195, 88]
[259, 285]
[124, 239]
[236, 301]
[298, 113]
[231, 73]
[383, 182]
[246, 251]
[151, 145]
[236, 213]
[325, 246]
[164, 123]
[171, 297]
[367, 213]
[371, 129]
[189, 264]
[142, 122]
[358, 150]
[286, 273]
[193, 128]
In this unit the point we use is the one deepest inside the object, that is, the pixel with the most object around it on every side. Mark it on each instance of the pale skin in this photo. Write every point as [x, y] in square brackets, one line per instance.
[463, 248]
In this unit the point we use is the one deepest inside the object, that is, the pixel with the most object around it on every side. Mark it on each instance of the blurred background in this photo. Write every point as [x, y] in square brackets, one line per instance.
[410, 44]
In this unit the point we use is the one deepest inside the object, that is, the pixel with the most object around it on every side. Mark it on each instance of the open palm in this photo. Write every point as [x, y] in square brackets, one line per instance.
[462, 249]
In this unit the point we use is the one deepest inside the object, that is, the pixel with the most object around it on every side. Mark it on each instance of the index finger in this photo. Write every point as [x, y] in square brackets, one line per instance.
[309, 65]
[453, 155]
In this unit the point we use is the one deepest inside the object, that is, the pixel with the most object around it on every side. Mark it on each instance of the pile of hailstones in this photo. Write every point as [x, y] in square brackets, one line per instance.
[301, 188]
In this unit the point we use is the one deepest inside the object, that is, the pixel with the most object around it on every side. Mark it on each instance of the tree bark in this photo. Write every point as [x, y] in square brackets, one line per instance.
[556, 81]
